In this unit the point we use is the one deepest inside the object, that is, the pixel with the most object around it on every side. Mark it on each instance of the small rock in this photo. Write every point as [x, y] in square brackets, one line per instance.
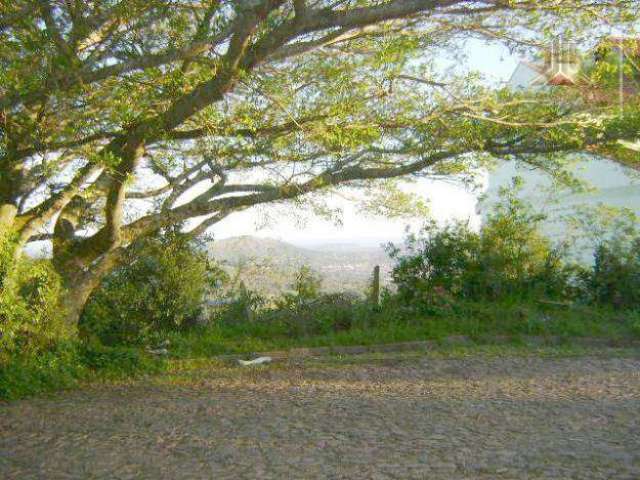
[256, 361]
[159, 351]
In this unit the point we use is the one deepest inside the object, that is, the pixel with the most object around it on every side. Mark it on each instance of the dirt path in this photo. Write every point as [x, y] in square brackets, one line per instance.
[471, 418]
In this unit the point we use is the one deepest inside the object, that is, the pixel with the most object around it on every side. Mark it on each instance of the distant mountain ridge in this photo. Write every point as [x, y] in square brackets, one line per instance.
[268, 265]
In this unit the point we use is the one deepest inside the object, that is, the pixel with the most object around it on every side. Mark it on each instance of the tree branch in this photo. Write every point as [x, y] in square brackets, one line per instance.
[54, 32]
[38, 216]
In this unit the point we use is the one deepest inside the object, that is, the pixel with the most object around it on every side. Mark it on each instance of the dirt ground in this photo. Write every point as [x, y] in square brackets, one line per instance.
[394, 417]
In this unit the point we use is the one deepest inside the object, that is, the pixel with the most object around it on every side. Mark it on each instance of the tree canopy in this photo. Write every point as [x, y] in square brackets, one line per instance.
[122, 117]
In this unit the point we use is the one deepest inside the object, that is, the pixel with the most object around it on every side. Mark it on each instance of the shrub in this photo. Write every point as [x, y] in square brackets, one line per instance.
[298, 311]
[305, 289]
[65, 364]
[113, 362]
[330, 312]
[516, 259]
[245, 308]
[31, 316]
[341, 311]
[55, 368]
[160, 288]
[615, 277]
[442, 258]
[508, 258]
[303, 311]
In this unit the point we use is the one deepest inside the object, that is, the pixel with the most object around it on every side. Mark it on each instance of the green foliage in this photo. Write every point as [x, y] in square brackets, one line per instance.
[307, 311]
[54, 369]
[614, 235]
[330, 312]
[37, 350]
[508, 258]
[302, 312]
[160, 287]
[615, 277]
[307, 284]
[305, 289]
[67, 364]
[396, 321]
[245, 307]
[31, 314]
[387, 199]
[116, 362]
[616, 59]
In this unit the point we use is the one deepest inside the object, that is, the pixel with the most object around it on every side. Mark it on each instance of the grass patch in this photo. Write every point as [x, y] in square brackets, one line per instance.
[486, 351]
[68, 365]
[478, 321]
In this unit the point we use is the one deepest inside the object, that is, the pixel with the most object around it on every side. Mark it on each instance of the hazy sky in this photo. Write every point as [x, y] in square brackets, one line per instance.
[446, 200]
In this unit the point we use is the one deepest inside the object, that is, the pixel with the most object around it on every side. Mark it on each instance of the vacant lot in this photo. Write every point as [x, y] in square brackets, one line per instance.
[387, 417]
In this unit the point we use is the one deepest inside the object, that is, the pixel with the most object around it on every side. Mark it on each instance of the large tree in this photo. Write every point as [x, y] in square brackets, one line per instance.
[122, 117]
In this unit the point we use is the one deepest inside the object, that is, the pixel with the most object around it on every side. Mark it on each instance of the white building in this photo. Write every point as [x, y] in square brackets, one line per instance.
[610, 184]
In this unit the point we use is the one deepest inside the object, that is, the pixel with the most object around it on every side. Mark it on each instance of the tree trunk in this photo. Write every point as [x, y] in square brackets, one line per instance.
[79, 284]
[8, 214]
[75, 298]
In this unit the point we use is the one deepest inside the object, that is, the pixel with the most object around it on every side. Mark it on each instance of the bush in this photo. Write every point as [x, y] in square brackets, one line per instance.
[306, 311]
[245, 308]
[301, 312]
[442, 259]
[31, 316]
[53, 369]
[116, 362]
[328, 313]
[160, 288]
[615, 277]
[305, 289]
[508, 258]
[66, 364]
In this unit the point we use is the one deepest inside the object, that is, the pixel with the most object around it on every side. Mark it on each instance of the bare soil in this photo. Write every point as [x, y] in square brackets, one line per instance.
[388, 418]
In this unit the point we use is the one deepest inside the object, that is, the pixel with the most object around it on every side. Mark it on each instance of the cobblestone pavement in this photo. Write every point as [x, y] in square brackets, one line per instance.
[422, 418]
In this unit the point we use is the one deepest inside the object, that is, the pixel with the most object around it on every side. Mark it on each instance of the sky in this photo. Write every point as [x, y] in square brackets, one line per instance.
[446, 201]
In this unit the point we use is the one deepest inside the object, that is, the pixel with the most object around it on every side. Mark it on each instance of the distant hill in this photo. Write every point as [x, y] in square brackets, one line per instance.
[269, 266]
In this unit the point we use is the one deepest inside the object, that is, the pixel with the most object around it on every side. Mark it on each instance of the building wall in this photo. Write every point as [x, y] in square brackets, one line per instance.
[522, 77]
